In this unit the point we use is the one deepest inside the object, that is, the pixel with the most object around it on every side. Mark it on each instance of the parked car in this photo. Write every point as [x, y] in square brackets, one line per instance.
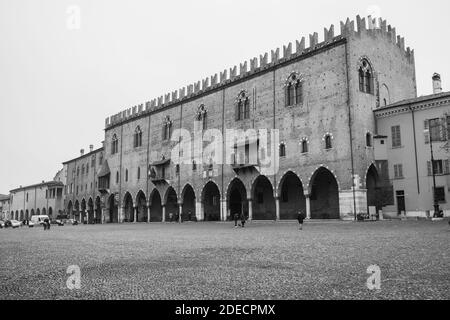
[2, 224]
[31, 224]
[58, 222]
[39, 220]
[15, 224]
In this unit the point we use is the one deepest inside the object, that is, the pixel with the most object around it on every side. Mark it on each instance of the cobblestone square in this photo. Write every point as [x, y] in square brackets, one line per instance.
[327, 260]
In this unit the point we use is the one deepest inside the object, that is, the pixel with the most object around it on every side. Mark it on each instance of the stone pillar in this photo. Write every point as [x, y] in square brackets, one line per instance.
[148, 212]
[164, 213]
[223, 209]
[120, 214]
[277, 208]
[250, 210]
[199, 211]
[180, 210]
[308, 206]
[135, 209]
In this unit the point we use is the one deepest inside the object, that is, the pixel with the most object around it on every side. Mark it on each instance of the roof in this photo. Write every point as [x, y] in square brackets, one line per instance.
[84, 155]
[104, 170]
[42, 184]
[415, 100]
[4, 197]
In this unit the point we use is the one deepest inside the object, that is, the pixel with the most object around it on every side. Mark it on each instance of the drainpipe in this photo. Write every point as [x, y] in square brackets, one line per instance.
[350, 128]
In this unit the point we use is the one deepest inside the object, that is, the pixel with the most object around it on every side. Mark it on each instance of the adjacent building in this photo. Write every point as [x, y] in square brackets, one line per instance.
[4, 207]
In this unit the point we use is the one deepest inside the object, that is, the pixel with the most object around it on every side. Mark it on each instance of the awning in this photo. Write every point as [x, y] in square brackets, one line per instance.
[160, 163]
[104, 170]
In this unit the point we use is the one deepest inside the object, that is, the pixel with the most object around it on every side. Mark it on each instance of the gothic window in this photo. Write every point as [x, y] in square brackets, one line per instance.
[87, 169]
[304, 146]
[282, 150]
[202, 117]
[117, 177]
[126, 175]
[138, 137]
[139, 173]
[242, 106]
[368, 140]
[294, 90]
[167, 128]
[82, 169]
[366, 77]
[114, 144]
[328, 144]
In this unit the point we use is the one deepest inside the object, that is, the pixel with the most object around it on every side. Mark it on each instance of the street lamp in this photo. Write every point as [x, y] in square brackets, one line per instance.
[435, 200]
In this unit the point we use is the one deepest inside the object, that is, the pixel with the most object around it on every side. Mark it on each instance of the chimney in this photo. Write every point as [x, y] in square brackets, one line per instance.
[437, 84]
[82, 152]
[91, 148]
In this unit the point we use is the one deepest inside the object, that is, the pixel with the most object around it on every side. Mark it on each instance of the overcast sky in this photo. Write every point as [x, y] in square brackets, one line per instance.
[58, 84]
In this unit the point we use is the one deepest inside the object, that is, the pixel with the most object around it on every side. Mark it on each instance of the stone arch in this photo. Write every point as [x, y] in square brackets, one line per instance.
[38, 212]
[188, 198]
[385, 95]
[32, 212]
[324, 195]
[237, 198]
[128, 207]
[263, 205]
[83, 211]
[141, 205]
[171, 203]
[27, 215]
[70, 209]
[90, 211]
[291, 196]
[50, 212]
[372, 181]
[113, 209]
[156, 212]
[98, 210]
[21, 218]
[211, 201]
[44, 211]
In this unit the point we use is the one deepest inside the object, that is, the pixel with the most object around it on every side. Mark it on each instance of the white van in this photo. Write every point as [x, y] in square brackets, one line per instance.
[38, 220]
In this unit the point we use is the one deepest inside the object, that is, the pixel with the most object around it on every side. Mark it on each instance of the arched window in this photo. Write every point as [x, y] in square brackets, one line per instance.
[177, 169]
[242, 106]
[117, 177]
[78, 171]
[328, 144]
[82, 169]
[87, 169]
[202, 117]
[167, 128]
[304, 146]
[138, 137]
[194, 165]
[126, 175]
[282, 150]
[294, 90]
[114, 144]
[139, 173]
[368, 139]
[366, 77]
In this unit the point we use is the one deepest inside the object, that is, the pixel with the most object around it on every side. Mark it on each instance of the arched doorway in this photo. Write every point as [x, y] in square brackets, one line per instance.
[77, 211]
[27, 215]
[32, 212]
[83, 211]
[292, 198]
[155, 207]
[113, 209]
[211, 202]
[237, 199]
[70, 210]
[90, 211]
[171, 203]
[98, 210]
[372, 179]
[128, 208]
[50, 212]
[263, 200]
[188, 196]
[141, 202]
[44, 212]
[324, 195]
[22, 216]
[38, 212]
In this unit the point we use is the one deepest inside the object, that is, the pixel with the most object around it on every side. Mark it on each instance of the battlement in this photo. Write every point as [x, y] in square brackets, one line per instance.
[256, 65]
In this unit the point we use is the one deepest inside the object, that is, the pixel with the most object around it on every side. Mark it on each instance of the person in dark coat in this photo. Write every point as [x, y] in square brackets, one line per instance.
[243, 220]
[301, 217]
[236, 219]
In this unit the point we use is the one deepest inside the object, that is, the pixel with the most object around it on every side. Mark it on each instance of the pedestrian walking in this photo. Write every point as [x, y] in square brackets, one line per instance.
[236, 219]
[301, 217]
[243, 220]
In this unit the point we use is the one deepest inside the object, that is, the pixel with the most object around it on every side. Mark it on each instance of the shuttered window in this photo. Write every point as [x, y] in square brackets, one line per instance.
[396, 137]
